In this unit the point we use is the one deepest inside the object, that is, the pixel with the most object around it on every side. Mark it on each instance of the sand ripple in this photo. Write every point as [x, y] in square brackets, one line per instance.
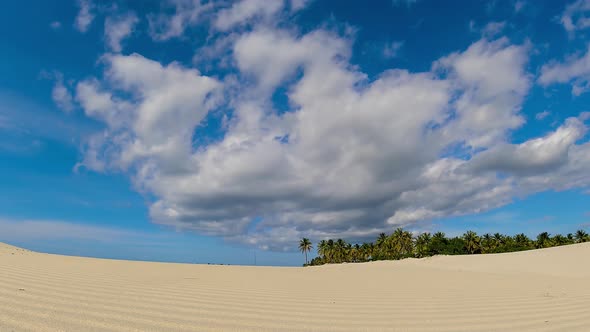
[542, 290]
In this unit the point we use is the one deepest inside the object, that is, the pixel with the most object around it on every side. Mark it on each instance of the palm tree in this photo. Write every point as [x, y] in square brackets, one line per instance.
[394, 243]
[581, 236]
[406, 244]
[487, 243]
[372, 251]
[500, 241]
[355, 253]
[439, 236]
[323, 249]
[509, 243]
[499, 237]
[421, 244]
[348, 252]
[400, 243]
[472, 242]
[522, 240]
[437, 244]
[560, 240]
[341, 250]
[369, 251]
[543, 240]
[381, 244]
[331, 251]
[305, 246]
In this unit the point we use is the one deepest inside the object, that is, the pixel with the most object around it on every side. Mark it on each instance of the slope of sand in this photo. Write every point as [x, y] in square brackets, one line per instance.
[541, 290]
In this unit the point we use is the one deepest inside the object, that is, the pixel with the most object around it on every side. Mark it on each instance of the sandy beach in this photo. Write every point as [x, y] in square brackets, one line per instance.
[540, 290]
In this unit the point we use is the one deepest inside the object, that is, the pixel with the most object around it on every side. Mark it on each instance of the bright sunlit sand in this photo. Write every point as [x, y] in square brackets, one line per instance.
[539, 290]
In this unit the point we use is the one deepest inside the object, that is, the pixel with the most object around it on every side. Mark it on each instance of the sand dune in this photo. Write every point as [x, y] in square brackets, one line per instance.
[541, 290]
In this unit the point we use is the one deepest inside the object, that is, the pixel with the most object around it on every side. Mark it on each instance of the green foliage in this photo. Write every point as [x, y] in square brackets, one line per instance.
[401, 244]
[305, 246]
[421, 245]
[438, 244]
[543, 240]
[581, 236]
[456, 246]
[472, 242]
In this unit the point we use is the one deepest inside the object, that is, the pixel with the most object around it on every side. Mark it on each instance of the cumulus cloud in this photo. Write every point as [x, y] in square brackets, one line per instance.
[491, 179]
[156, 126]
[491, 82]
[575, 69]
[534, 156]
[353, 156]
[576, 16]
[117, 28]
[85, 15]
[573, 174]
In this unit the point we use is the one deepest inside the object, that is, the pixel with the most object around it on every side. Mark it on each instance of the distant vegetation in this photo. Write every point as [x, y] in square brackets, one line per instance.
[401, 244]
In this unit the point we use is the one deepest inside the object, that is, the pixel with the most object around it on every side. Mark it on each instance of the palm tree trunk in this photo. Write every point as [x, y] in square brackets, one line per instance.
[306, 257]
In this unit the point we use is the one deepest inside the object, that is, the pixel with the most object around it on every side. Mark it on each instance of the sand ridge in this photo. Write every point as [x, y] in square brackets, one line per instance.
[540, 290]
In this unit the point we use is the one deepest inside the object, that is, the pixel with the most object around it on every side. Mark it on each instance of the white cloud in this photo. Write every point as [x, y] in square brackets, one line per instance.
[572, 174]
[245, 10]
[156, 126]
[533, 156]
[61, 95]
[222, 16]
[454, 187]
[542, 115]
[186, 13]
[100, 104]
[575, 69]
[272, 56]
[85, 15]
[576, 16]
[116, 29]
[352, 157]
[492, 82]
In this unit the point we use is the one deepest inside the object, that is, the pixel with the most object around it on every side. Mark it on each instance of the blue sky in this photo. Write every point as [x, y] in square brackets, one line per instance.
[198, 131]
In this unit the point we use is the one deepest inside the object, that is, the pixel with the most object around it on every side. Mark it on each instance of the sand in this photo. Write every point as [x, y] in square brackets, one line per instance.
[540, 290]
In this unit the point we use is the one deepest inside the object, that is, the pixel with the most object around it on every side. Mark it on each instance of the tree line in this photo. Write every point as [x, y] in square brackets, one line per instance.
[402, 244]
